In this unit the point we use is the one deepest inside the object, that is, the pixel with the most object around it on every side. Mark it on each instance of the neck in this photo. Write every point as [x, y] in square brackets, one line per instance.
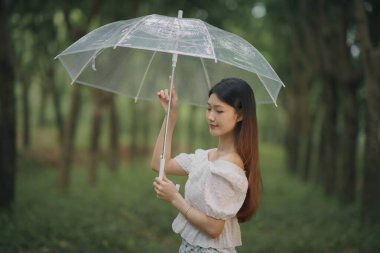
[226, 143]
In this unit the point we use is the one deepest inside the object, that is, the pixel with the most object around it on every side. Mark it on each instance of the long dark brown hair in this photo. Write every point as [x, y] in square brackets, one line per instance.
[238, 94]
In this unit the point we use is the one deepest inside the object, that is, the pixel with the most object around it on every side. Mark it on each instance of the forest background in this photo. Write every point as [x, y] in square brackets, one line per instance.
[74, 161]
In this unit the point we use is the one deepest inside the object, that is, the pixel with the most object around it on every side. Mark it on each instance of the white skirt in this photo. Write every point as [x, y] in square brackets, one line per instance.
[187, 248]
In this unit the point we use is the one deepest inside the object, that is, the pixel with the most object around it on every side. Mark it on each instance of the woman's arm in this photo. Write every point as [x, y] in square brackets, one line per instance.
[166, 190]
[171, 167]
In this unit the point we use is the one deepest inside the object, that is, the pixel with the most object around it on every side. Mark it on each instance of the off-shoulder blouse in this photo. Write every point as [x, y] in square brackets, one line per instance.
[216, 188]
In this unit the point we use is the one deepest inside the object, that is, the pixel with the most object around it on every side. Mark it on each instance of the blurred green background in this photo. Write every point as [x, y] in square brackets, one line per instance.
[74, 161]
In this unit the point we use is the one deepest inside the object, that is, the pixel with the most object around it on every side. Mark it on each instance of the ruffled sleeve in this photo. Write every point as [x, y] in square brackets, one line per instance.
[225, 190]
[185, 160]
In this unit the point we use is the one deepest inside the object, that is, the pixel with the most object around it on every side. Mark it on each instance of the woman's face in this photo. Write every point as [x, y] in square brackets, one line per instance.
[221, 117]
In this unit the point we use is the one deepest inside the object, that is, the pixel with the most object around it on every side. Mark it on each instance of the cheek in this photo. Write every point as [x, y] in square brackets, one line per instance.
[231, 118]
[232, 124]
[227, 122]
[231, 121]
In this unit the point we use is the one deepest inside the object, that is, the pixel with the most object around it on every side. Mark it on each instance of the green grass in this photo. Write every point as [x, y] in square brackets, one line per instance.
[297, 217]
[122, 214]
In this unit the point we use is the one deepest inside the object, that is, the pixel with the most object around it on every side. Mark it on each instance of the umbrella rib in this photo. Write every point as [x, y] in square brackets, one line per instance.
[210, 41]
[130, 30]
[84, 66]
[94, 57]
[206, 74]
[274, 72]
[192, 43]
[270, 94]
[254, 70]
[143, 79]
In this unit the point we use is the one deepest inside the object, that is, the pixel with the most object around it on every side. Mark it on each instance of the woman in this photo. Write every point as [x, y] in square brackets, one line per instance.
[223, 185]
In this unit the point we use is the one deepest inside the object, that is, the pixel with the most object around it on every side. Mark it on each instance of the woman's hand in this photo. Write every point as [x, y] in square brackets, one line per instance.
[165, 189]
[163, 95]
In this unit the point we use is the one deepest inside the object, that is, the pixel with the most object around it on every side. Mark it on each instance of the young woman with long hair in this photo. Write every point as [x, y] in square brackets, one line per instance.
[223, 186]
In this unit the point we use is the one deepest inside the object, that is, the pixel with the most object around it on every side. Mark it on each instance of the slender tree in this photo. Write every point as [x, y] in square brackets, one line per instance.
[370, 56]
[114, 135]
[71, 121]
[103, 102]
[7, 113]
[349, 76]
[25, 85]
[96, 126]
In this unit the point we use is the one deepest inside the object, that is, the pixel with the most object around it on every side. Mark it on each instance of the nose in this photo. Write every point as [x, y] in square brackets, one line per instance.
[210, 116]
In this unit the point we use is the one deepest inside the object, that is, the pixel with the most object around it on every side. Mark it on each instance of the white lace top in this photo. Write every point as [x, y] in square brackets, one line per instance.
[218, 189]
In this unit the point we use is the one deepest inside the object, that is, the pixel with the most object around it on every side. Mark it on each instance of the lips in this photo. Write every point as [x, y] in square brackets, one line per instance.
[212, 126]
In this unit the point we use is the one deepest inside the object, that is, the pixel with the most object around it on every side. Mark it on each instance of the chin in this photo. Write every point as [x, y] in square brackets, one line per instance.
[214, 133]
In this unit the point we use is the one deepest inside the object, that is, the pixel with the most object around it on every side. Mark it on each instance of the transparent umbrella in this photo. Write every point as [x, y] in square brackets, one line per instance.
[135, 57]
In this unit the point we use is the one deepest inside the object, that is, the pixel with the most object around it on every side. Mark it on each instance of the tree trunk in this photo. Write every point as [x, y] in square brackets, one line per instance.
[293, 99]
[311, 63]
[133, 131]
[25, 113]
[303, 120]
[145, 126]
[71, 122]
[42, 109]
[7, 114]
[326, 44]
[56, 103]
[69, 137]
[94, 151]
[114, 136]
[349, 145]
[291, 139]
[329, 161]
[348, 77]
[321, 147]
[308, 146]
[371, 171]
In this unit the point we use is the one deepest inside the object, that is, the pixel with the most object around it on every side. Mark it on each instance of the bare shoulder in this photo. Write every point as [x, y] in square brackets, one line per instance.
[235, 159]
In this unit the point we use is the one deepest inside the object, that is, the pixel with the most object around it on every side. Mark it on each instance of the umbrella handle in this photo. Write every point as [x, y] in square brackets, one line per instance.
[161, 172]
[162, 160]
[162, 167]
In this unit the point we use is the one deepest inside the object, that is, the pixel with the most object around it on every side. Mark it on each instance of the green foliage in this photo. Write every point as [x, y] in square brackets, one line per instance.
[40, 31]
[297, 217]
[122, 214]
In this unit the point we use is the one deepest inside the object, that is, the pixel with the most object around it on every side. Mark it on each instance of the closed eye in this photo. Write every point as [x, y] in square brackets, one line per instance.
[216, 108]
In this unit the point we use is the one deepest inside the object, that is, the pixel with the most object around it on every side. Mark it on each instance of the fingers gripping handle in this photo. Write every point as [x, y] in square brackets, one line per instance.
[162, 172]
[162, 168]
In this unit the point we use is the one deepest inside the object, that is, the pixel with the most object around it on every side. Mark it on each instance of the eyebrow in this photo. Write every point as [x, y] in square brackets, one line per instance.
[217, 106]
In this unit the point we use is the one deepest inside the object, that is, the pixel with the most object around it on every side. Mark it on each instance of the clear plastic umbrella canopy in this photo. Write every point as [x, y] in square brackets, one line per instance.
[135, 57]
